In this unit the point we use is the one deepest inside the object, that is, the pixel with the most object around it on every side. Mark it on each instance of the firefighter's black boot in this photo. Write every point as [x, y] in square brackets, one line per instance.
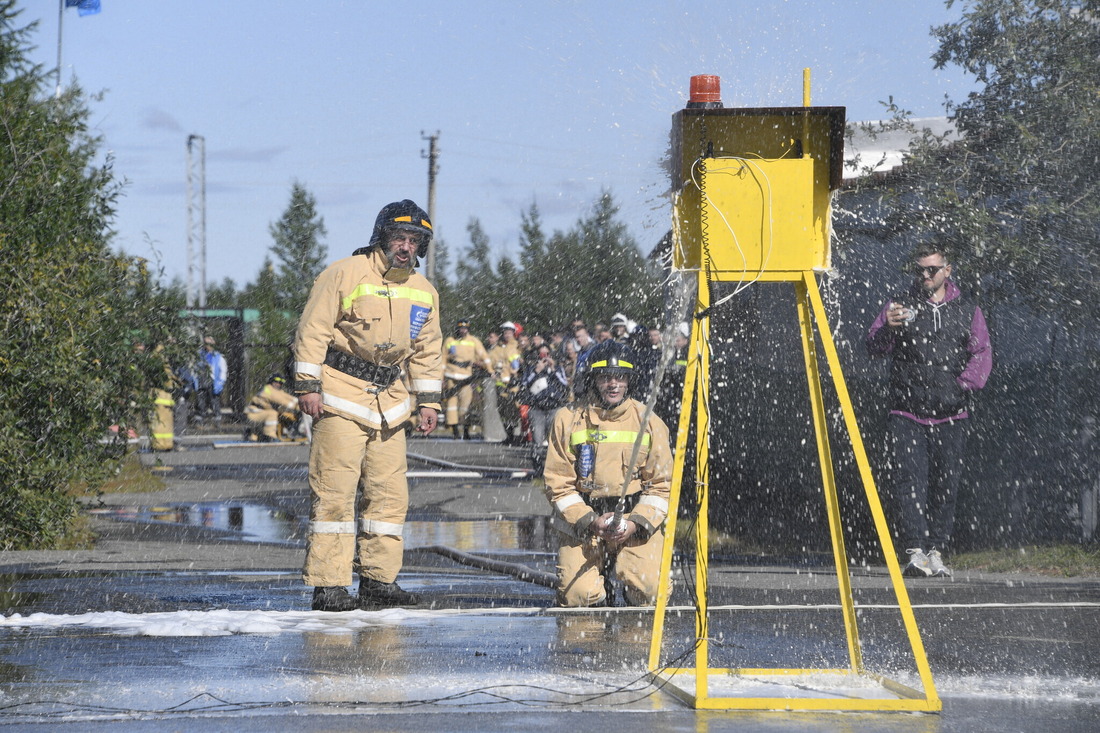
[454, 430]
[465, 432]
[333, 598]
[374, 594]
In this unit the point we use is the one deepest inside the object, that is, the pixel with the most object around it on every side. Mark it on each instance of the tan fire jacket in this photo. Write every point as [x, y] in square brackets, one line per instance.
[360, 306]
[274, 398]
[462, 355]
[505, 358]
[610, 434]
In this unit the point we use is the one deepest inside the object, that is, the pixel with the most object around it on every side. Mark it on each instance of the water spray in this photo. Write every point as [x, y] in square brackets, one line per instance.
[675, 313]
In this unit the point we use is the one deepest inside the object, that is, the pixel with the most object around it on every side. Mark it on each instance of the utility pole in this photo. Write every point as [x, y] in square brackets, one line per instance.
[196, 217]
[433, 168]
[60, 21]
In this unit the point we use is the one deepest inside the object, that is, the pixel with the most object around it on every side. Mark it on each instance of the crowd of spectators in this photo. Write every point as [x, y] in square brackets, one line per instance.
[536, 373]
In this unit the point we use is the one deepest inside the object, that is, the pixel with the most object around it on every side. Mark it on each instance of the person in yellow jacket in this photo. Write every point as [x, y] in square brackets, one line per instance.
[161, 421]
[507, 361]
[591, 441]
[369, 318]
[266, 406]
[462, 354]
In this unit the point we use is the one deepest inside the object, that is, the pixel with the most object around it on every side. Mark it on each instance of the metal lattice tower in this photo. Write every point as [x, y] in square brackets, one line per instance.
[196, 217]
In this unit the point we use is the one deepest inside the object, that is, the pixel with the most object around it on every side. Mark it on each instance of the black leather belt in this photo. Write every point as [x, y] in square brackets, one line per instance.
[461, 364]
[352, 365]
[607, 504]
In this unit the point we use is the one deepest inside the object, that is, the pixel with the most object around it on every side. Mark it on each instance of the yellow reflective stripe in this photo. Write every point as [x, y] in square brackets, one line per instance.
[595, 435]
[624, 364]
[381, 291]
[167, 402]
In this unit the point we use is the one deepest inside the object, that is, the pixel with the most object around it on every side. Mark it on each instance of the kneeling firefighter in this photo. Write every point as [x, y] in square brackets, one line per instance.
[368, 354]
[590, 446]
[267, 407]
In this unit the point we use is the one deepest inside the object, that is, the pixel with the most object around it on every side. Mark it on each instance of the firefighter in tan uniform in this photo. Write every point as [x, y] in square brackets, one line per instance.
[369, 318]
[507, 358]
[591, 441]
[162, 420]
[267, 405]
[462, 355]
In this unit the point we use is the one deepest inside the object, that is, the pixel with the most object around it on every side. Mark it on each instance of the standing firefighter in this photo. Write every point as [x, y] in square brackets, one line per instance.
[369, 317]
[591, 442]
[465, 356]
[507, 358]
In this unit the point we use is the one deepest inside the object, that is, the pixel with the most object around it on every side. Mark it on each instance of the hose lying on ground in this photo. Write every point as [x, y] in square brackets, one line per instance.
[521, 572]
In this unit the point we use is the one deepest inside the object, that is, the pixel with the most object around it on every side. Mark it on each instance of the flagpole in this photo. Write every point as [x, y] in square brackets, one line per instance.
[60, 19]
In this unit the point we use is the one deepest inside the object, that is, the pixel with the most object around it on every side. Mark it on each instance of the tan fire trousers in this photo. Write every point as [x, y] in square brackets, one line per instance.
[349, 461]
[162, 427]
[637, 564]
[458, 404]
[263, 421]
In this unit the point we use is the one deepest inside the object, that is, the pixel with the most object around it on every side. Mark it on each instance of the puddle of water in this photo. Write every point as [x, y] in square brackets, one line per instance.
[258, 523]
[251, 522]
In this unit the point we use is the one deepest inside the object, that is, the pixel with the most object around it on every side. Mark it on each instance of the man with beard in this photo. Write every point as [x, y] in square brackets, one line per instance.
[939, 345]
[367, 354]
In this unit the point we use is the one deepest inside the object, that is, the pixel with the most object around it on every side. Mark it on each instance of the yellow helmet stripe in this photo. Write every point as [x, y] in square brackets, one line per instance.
[408, 220]
[621, 363]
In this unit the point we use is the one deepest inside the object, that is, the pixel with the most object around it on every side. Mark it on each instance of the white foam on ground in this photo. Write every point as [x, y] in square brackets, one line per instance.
[225, 623]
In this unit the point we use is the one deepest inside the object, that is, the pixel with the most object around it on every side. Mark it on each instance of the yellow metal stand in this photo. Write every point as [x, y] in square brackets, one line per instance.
[753, 205]
[811, 311]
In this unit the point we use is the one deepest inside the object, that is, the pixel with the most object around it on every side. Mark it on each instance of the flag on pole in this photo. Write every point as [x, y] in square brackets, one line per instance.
[83, 7]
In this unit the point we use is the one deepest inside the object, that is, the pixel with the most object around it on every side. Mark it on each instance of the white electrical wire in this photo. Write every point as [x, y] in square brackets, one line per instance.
[757, 172]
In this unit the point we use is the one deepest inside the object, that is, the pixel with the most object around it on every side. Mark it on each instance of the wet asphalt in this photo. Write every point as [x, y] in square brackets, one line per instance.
[489, 651]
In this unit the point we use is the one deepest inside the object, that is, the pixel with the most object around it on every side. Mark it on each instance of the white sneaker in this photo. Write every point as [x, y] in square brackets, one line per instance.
[920, 565]
[936, 566]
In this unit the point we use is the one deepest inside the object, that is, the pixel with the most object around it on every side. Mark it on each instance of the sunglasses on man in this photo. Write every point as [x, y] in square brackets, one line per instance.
[927, 271]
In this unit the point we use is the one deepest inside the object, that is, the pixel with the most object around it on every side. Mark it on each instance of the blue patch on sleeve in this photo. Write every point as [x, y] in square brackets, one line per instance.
[418, 316]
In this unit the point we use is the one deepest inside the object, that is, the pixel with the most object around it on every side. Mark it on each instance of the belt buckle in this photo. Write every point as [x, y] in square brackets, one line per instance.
[376, 371]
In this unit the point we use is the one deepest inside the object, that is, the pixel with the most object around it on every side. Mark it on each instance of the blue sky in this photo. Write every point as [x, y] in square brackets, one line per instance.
[545, 102]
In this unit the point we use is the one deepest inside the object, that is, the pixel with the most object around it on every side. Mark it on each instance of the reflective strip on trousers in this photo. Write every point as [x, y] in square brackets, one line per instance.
[332, 527]
[374, 526]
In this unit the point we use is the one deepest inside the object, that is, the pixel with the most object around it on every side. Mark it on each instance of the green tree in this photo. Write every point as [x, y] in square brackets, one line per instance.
[298, 248]
[476, 285]
[1018, 194]
[593, 270]
[271, 338]
[73, 310]
[281, 290]
[599, 270]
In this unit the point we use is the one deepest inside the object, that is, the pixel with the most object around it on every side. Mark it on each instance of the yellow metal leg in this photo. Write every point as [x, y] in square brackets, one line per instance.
[696, 392]
[702, 523]
[828, 477]
[664, 587]
[864, 466]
